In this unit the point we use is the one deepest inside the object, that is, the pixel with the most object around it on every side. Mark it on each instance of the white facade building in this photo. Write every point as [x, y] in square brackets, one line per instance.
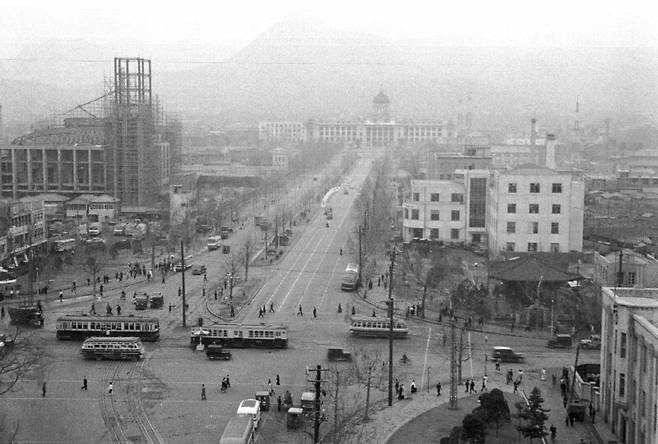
[532, 208]
[282, 131]
[447, 210]
[629, 363]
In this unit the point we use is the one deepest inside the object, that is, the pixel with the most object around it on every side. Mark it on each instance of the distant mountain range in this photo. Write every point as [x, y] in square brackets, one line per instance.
[300, 69]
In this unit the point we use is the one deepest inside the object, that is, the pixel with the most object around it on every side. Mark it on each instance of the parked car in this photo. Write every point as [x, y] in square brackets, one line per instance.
[198, 269]
[592, 343]
[506, 354]
[338, 354]
[217, 352]
[560, 341]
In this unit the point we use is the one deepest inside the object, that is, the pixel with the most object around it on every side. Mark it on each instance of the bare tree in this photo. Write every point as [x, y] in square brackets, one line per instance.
[94, 261]
[368, 370]
[233, 264]
[247, 251]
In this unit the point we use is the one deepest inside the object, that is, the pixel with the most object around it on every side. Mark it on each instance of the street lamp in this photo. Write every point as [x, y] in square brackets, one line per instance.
[552, 316]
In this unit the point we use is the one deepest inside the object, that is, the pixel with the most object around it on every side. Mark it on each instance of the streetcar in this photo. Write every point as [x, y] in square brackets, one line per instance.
[84, 326]
[125, 348]
[242, 335]
[377, 327]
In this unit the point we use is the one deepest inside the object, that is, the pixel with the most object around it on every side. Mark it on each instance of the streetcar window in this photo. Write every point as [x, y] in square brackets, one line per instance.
[278, 333]
[137, 327]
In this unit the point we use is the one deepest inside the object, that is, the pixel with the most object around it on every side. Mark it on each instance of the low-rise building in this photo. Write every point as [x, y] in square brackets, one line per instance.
[636, 270]
[629, 363]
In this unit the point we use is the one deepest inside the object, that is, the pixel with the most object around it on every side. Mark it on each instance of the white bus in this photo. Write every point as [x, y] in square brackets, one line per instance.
[129, 348]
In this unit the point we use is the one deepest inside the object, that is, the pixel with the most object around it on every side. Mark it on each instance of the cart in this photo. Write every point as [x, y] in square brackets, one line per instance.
[157, 300]
[308, 402]
[294, 418]
[264, 398]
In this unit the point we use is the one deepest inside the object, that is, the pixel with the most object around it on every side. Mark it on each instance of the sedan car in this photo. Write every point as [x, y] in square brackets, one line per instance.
[198, 269]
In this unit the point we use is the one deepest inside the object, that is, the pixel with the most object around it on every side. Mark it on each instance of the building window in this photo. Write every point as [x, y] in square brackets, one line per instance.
[414, 214]
[555, 247]
[434, 233]
[533, 227]
[631, 278]
[454, 215]
[557, 188]
[533, 208]
[511, 227]
[434, 215]
[417, 233]
[416, 197]
[511, 188]
[556, 209]
[622, 346]
[534, 187]
[457, 197]
[406, 213]
[434, 197]
[511, 208]
[555, 228]
[532, 246]
[622, 385]
[454, 233]
[509, 246]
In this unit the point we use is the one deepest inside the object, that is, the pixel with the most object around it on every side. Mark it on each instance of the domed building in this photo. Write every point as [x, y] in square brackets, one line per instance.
[381, 104]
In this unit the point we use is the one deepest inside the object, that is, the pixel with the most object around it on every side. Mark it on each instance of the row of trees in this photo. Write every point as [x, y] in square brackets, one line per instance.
[492, 412]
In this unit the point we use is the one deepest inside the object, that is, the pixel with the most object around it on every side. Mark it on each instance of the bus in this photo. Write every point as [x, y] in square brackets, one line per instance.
[63, 245]
[85, 326]
[99, 348]
[377, 327]
[350, 280]
[242, 335]
[214, 242]
[238, 430]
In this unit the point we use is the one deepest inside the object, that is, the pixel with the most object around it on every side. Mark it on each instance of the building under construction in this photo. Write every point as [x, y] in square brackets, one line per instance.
[121, 143]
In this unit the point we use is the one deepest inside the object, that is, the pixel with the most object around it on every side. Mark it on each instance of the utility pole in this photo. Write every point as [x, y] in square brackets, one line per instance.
[276, 231]
[390, 328]
[620, 273]
[182, 262]
[336, 407]
[453, 367]
[316, 408]
[265, 242]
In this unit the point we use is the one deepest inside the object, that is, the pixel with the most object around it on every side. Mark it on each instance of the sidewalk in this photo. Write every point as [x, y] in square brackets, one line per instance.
[385, 421]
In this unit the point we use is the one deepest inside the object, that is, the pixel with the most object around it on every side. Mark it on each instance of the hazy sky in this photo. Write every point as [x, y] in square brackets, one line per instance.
[454, 22]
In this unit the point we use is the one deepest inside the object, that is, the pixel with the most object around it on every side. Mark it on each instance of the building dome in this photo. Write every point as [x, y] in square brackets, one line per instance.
[381, 98]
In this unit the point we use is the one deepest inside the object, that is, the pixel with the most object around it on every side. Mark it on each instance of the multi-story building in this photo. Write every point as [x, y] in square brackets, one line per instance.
[635, 270]
[447, 210]
[124, 145]
[377, 130]
[629, 363]
[24, 223]
[282, 131]
[533, 208]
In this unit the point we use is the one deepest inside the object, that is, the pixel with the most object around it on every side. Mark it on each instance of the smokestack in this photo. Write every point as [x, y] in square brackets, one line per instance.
[533, 131]
[550, 151]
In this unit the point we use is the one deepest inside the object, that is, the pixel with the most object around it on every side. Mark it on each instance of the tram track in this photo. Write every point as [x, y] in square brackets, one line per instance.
[136, 407]
[109, 412]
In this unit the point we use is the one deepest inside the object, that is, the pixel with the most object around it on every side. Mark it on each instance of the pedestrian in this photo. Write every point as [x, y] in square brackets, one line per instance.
[118, 310]
[374, 315]
[93, 309]
[43, 389]
[232, 311]
[413, 386]
[353, 310]
[498, 364]
[215, 294]
[180, 292]
[269, 386]
[278, 403]
[520, 376]
[278, 381]
[61, 296]
[2, 312]
[84, 383]
[315, 313]
[110, 387]
[543, 374]
[593, 415]
[572, 418]
[567, 420]
[484, 383]
[203, 392]
[516, 387]
[300, 312]
[397, 385]
[73, 286]
[473, 386]
[466, 386]
[341, 251]
[564, 401]
[205, 277]
[271, 307]
[553, 431]
[438, 389]
[260, 312]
